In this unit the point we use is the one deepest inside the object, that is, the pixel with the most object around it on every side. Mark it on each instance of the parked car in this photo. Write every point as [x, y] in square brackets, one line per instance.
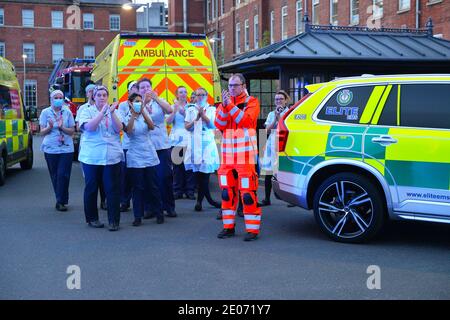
[361, 150]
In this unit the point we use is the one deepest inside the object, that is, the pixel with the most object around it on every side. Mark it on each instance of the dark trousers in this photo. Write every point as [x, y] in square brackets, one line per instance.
[60, 167]
[268, 186]
[203, 189]
[145, 190]
[183, 180]
[110, 175]
[164, 175]
[125, 182]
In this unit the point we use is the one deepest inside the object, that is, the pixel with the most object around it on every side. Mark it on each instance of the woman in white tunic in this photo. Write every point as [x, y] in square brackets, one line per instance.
[142, 160]
[202, 156]
[100, 155]
[183, 180]
[269, 163]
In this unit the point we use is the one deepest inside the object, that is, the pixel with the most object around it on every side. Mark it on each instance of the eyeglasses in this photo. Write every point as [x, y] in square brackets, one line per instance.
[201, 95]
[279, 99]
[234, 85]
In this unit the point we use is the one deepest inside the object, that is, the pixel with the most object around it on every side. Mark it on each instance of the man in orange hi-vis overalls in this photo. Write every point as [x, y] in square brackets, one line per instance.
[237, 118]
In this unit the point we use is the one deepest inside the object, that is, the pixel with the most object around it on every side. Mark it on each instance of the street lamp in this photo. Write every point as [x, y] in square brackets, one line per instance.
[24, 57]
[129, 6]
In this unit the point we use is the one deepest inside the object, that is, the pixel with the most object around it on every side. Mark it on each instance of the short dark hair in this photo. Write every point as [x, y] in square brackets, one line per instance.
[133, 96]
[238, 75]
[144, 80]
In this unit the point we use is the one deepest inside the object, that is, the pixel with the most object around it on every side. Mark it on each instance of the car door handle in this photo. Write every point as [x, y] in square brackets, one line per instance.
[384, 140]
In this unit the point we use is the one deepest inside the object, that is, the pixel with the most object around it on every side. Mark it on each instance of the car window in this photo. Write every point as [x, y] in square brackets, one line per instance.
[425, 105]
[388, 116]
[9, 103]
[347, 105]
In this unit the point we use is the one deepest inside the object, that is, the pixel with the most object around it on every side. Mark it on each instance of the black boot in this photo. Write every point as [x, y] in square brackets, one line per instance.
[226, 233]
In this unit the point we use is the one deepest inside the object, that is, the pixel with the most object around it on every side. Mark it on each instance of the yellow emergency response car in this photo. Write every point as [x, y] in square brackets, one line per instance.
[364, 149]
[169, 60]
[16, 142]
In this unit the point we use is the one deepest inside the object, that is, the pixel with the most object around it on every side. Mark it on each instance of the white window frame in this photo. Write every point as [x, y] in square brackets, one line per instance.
[238, 38]
[31, 58]
[85, 20]
[315, 12]
[30, 83]
[299, 17]
[354, 7]
[404, 5]
[246, 35]
[208, 10]
[222, 45]
[284, 14]
[222, 7]
[378, 13]
[3, 48]
[28, 21]
[90, 47]
[334, 15]
[111, 16]
[272, 27]
[2, 15]
[57, 19]
[256, 32]
[56, 56]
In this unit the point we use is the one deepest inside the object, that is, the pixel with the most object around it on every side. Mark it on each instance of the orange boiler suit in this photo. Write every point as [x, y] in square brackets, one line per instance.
[237, 122]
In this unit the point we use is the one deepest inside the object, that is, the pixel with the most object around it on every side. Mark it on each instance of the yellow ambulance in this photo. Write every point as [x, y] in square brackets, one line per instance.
[16, 142]
[169, 60]
[361, 150]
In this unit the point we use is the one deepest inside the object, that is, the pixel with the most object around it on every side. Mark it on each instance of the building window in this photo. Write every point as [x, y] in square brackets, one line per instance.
[222, 7]
[89, 52]
[315, 11]
[222, 46]
[256, 32]
[299, 18]
[247, 35]
[284, 31]
[378, 8]
[238, 38]
[264, 90]
[214, 9]
[2, 49]
[28, 50]
[272, 26]
[208, 10]
[88, 21]
[334, 12]
[57, 19]
[354, 12]
[30, 93]
[114, 22]
[28, 18]
[57, 52]
[2, 17]
[404, 5]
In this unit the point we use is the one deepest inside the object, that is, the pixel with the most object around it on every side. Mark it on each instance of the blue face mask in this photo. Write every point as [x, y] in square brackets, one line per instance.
[137, 106]
[58, 103]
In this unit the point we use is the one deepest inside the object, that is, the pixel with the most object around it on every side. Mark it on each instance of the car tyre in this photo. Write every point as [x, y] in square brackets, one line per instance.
[2, 170]
[349, 208]
[27, 164]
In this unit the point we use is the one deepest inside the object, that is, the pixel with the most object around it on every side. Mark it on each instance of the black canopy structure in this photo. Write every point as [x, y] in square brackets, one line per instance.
[322, 53]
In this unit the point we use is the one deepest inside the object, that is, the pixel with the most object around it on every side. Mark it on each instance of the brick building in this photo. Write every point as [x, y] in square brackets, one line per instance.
[245, 25]
[52, 29]
[190, 11]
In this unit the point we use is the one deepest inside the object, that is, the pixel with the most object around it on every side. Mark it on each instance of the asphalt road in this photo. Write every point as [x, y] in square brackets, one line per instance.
[183, 259]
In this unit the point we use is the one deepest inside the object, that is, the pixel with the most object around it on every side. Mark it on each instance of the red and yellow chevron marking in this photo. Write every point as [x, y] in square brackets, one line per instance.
[167, 63]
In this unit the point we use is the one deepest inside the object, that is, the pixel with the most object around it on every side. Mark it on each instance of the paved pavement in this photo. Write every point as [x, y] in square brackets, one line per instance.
[183, 259]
